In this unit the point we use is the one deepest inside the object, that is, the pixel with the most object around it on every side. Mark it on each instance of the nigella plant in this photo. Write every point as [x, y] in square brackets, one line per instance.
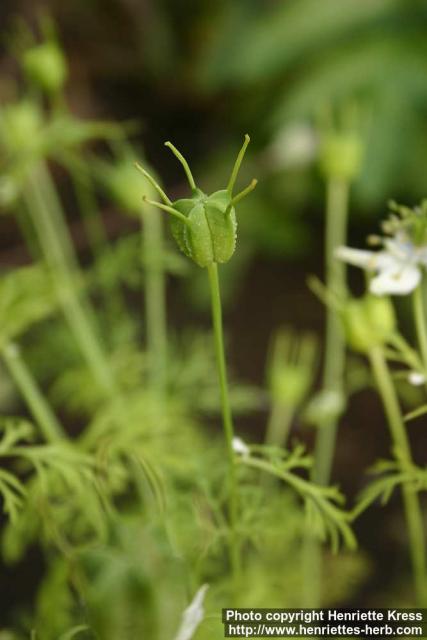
[397, 269]
[341, 144]
[400, 264]
[204, 227]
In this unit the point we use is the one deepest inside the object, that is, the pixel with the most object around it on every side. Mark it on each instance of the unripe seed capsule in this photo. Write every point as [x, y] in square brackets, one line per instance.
[204, 226]
[368, 322]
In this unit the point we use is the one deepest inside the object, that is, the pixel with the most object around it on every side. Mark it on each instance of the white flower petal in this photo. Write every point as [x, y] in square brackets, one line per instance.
[400, 280]
[192, 615]
[240, 447]
[401, 248]
[370, 260]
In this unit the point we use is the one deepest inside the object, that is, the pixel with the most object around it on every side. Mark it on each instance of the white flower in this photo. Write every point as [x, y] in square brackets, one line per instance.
[398, 265]
[192, 615]
[240, 447]
[416, 378]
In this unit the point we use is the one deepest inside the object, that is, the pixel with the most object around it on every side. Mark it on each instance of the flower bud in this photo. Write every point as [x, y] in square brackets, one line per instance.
[292, 367]
[23, 124]
[289, 385]
[340, 155]
[45, 65]
[124, 185]
[368, 322]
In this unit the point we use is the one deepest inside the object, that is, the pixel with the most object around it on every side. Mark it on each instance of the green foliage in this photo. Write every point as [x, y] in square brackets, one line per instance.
[281, 63]
[391, 475]
[61, 500]
[11, 488]
[26, 297]
[326, 518]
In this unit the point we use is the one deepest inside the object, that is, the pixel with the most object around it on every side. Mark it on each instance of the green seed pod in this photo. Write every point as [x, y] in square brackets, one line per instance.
[124, 184]
[204, 226]
[23, 124]
[341, 156]
[368, 322]
[291, 367]
[46, 66]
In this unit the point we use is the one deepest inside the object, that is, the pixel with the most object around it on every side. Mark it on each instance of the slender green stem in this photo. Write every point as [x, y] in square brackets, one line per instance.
[279, 425]
[155, 297]
[312, 566]
[32, 394]
[86, 339]
[88, 209]
[420, 322]
[401, 445]
[333, 370]
[27, 229]
[98, 241]
[44, 208]
[52, 203]
[226, 412]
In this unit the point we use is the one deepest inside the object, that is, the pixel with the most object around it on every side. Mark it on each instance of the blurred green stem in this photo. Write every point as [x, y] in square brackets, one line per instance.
[94, 227]
[279, 424]
[402, 449]
[333, 370]
[97, 238]
[45, 210]
[27, 229]
[226, 413]
[30, 391]
[155, 297]
[420, 322]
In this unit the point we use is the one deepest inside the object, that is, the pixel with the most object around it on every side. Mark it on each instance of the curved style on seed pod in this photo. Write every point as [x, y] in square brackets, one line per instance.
[204, 226]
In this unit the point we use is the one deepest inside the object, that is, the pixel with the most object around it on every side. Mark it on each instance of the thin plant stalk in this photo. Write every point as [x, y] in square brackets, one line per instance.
[226, 413]
[49, 196]
[420, 322]
[337, 198]
[155, 297]
[98, 240]
[403, 454]
[334, 363]
[38, 405]
[44, 208]
[92, 222]
[26, 227]
[279, 424]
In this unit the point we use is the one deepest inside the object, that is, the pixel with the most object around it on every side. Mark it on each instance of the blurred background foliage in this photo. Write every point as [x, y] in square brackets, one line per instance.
[202, 74]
